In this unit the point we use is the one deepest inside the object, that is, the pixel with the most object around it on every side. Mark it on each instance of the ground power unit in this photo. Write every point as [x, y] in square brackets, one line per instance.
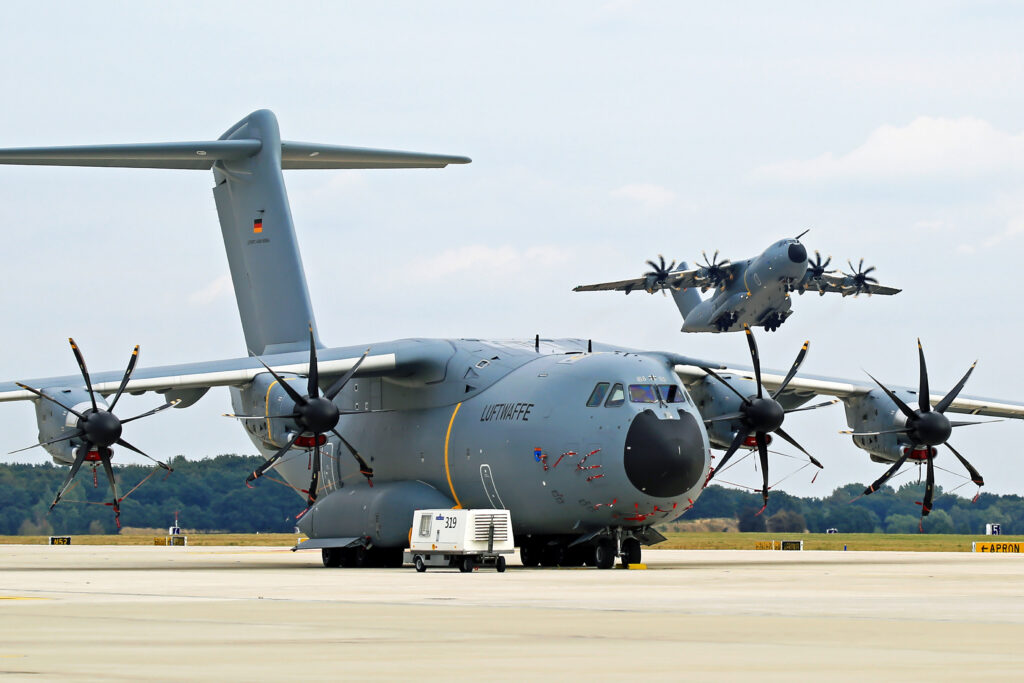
[460, 538]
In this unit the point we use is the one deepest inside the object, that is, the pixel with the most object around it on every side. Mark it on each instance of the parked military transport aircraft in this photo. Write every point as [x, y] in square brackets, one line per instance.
[754, 292]
[588, 445]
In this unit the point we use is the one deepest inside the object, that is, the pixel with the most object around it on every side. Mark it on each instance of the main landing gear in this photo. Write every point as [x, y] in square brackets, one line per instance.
[553, 551]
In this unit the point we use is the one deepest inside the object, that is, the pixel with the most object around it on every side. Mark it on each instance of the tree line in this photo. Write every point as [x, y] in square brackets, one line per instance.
[210, 495]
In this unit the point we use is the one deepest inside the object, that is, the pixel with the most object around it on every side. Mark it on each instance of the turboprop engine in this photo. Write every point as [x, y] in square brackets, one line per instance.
[56, 422]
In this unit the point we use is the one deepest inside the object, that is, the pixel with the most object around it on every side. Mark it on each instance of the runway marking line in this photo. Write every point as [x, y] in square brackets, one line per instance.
[20, 597]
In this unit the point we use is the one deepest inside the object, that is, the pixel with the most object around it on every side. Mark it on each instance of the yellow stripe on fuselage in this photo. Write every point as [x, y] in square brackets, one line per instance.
[447, 470]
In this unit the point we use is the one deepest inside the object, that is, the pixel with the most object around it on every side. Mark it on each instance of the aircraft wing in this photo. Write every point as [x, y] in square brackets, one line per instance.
[392, 359]
[841, 284]
[679, 279]
[805, 387]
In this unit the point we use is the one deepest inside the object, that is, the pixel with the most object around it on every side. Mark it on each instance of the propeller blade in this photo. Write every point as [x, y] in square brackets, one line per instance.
[50, 398]
[105, 459]
[904, 408]
[762, 450]
[922, 392]
[731, 387]
[792, 371]
[314, 481]
[901, 430]
[272, 460]
[755, 357]
[961, 423]
[887, 476]
[85, 372]
[259, 417]
[153, 412]
[127, 376]
[79, 459]
[723, 418]
[948, 399]
[340, 384]
[975, 476]
[364, 469]
[733, 447]
[125, 444]
[313, 385]
[800, 448]
[929, 488]
[292, 394]
[814, 407]
[47, 443]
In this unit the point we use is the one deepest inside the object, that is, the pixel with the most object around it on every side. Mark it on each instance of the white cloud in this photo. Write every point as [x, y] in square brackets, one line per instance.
[502, 260]
[211, 292]
[925, 148]
[649, 196]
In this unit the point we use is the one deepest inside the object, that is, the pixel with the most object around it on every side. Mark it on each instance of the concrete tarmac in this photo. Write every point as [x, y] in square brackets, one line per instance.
[155, 613]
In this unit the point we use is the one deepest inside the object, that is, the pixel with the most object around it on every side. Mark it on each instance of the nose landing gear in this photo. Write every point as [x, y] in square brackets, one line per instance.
[600, 552]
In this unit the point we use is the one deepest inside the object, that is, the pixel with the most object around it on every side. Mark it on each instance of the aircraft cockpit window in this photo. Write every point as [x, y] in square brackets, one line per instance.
[616, 398]
[597, 395]
[671, 393]
[642, 393]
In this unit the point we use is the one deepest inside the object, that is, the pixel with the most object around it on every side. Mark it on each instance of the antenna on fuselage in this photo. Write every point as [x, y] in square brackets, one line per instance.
[590, 346]
[536, 343]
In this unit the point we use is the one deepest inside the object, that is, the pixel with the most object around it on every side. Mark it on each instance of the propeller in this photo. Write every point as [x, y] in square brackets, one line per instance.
[715, 272]
[313, 414]
[98, 429]
[925, 426]
[860, 279]
[657, 275]
[761, 415]
[816, 268]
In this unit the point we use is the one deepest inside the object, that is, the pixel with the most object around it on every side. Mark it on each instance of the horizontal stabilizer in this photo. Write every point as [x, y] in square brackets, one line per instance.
[308, 155]
[189, 155]
[202, 155]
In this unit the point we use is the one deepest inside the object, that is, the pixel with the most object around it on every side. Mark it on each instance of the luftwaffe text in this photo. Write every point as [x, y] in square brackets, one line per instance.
[506, 411]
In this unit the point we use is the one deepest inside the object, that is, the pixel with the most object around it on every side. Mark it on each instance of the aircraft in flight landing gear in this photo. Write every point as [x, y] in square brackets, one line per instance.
[754, 292]
[589, 445]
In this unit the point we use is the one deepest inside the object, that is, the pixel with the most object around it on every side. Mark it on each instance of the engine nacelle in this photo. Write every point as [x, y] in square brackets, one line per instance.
[55, 422]
[876, 412]
[713, 399]
[265, 396]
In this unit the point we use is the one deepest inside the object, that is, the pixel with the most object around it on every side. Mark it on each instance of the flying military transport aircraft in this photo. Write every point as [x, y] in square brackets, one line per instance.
[754, 292]
[588, 445]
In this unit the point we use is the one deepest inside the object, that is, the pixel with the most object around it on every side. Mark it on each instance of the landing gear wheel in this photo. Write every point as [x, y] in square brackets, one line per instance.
[604, 554]
[631, 551]
[348, 557]
[420, 567]
[529, 554]
[466, 564]
[500, 564]
[331, 557]
[362, 557]
[552, 555]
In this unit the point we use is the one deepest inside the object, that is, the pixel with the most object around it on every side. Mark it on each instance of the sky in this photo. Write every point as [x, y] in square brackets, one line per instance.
[602, 134]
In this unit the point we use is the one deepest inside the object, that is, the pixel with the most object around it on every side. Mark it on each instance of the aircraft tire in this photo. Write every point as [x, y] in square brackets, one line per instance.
[362, 557]
[604, 554]
[418, 562]
[331, 557]
[631, 551]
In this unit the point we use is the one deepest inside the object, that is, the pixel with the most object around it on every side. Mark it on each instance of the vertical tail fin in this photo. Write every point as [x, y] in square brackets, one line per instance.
[259, 238]
[686, 299]
[255, 219]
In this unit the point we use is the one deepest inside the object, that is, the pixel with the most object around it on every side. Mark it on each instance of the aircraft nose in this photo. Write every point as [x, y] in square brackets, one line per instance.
[664, 458]
[797, 252]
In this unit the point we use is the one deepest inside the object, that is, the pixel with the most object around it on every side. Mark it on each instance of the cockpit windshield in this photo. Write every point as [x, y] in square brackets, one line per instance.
[645, 393]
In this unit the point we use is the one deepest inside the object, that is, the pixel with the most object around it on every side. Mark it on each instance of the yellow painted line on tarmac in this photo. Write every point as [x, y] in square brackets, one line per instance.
[20, 597]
